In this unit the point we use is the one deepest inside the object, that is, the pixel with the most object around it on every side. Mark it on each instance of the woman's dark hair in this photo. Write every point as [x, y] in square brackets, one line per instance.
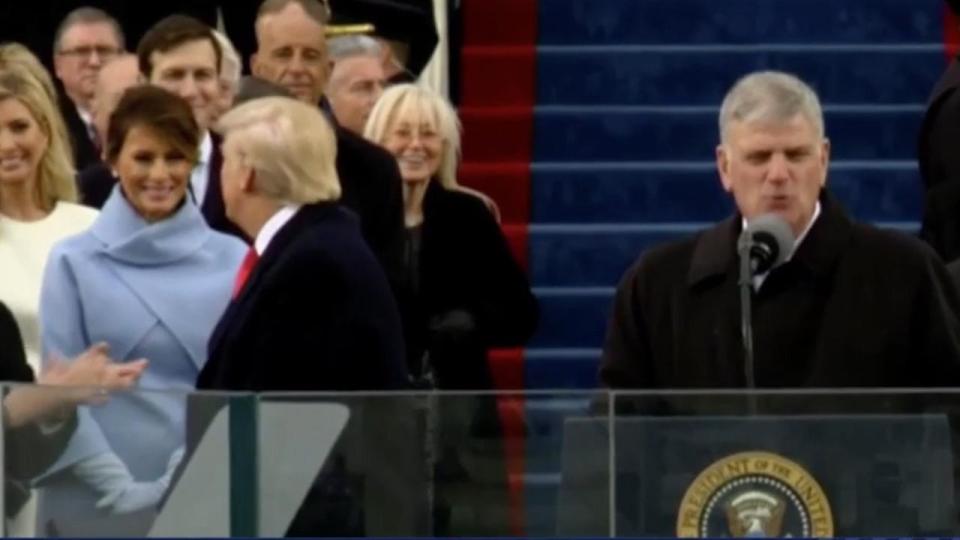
[167, 115]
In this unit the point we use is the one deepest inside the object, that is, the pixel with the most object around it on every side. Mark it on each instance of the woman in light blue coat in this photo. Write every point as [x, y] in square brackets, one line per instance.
[150, 279]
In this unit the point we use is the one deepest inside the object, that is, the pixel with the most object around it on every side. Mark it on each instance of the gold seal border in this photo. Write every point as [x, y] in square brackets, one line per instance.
[724, 470]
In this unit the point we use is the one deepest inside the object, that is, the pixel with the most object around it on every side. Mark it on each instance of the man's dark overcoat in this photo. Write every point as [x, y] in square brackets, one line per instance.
[856, 306]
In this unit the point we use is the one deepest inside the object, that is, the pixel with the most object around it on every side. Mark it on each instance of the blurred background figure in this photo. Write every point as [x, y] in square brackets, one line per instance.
[406, 30]
[292, 52]
[37, 189]
[96, 181]
[468, 294]
[150, 278]
[84, 42]
[356, 80]
[113, 80]
[231, 69]
[251, 87]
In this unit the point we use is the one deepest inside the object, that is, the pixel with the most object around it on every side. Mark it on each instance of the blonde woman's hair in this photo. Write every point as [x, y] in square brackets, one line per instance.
[289, 144]
[23, 78]
[413, 99]
[15, 54]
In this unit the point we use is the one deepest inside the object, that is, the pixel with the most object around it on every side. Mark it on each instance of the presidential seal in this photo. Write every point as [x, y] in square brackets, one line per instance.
[754, 494]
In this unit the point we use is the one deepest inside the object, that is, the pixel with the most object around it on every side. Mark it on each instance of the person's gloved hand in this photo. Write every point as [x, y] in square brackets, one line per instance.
[120, 493]
[132, 497]
[105, 473]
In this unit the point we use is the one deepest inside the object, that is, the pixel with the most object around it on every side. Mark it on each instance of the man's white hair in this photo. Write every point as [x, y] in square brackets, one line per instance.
[357, 45]
[770, 96]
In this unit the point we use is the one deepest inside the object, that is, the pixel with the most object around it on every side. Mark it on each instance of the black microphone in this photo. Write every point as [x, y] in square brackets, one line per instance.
[767, 241]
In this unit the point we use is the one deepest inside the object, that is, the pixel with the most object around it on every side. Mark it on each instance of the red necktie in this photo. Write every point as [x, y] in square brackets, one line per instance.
[245, 269]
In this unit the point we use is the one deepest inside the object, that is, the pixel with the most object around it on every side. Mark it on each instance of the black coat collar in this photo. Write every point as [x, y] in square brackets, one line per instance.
[306, 215]
[714, 253]
[434, 195]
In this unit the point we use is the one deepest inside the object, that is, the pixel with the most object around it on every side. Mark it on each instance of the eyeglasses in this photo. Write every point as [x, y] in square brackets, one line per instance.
[86, 51]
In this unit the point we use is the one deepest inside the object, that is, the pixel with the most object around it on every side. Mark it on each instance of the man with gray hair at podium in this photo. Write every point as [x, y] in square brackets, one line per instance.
[834, 303]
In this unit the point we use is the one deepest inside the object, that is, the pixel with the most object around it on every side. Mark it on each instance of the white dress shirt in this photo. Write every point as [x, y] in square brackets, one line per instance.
[273, 226]
[760, 278]
[87, 119]
[200, 176]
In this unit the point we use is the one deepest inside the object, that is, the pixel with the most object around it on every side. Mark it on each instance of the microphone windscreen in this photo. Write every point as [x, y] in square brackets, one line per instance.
[767, 227]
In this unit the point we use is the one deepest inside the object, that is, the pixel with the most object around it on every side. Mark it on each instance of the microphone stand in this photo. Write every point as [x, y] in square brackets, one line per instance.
[746, 320]
[762, 245]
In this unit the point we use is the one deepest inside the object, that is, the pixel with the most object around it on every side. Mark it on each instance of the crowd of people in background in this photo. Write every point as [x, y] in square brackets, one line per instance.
[167, 222]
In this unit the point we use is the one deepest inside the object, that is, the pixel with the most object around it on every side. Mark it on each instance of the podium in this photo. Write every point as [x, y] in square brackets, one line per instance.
[334, 464]
[776, 475]
[853, 463]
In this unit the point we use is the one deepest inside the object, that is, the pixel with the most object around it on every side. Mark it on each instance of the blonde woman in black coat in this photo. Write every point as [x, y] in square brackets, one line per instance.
[466, 294]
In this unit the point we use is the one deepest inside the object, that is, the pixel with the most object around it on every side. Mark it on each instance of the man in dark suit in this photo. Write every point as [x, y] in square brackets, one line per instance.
[292, 52]
[938, 155]
[85, 41]
[853, 306]
[312, 308]
[315, 302]
[940, 225]
[954, 270]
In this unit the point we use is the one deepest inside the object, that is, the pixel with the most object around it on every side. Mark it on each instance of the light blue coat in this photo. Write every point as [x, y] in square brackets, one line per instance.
[152, 291]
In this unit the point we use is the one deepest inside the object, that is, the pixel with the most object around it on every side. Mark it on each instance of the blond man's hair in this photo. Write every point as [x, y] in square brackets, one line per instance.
[289, 144]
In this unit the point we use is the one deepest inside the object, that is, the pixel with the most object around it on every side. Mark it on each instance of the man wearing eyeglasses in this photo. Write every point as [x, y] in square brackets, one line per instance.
[86, 39]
